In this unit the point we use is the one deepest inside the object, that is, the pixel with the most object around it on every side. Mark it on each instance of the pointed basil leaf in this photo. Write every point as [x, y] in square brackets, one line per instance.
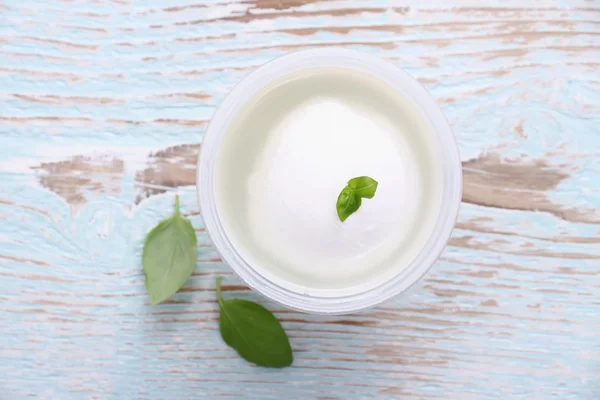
[169, 256]
[347, 203]
[363, 186]
[254, 332]
[349, 200]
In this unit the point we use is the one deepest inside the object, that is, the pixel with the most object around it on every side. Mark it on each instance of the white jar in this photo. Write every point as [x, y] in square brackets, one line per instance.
[268, 248]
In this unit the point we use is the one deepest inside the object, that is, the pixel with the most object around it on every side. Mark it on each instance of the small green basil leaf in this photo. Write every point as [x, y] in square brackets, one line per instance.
[254, 332]
[363, 186]
[169, 256]
[347, 203]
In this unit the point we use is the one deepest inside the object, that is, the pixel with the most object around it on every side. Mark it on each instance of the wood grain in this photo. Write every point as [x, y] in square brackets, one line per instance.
[102, 109]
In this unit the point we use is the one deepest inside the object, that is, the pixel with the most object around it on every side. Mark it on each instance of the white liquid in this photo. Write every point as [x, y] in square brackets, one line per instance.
[290, 152]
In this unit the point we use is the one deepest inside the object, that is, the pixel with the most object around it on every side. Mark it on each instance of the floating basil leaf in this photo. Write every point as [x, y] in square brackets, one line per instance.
[350, 198]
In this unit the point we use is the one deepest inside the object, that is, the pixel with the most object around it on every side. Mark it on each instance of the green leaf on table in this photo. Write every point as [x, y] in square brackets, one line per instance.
[350, 198]
[169, 256]
[254, 332]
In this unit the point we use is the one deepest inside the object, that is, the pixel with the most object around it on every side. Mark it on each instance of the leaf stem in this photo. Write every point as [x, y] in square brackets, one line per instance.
[177, 204]
[219, 297]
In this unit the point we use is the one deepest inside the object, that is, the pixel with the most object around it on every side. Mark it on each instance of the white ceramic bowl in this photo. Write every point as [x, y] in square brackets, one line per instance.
[337, 301]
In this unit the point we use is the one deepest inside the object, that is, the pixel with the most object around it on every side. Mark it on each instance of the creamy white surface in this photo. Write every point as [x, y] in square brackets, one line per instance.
[288, 155]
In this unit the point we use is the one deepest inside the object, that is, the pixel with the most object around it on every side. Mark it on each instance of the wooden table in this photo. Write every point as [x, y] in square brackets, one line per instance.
[102, 110]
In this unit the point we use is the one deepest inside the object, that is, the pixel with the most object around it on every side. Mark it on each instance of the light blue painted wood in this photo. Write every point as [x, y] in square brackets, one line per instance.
[103, 105]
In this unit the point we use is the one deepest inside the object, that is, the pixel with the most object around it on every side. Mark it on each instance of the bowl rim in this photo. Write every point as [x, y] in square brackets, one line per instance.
[338, 302]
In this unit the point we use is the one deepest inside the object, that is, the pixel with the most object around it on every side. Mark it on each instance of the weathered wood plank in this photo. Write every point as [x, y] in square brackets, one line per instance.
[102, 109]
